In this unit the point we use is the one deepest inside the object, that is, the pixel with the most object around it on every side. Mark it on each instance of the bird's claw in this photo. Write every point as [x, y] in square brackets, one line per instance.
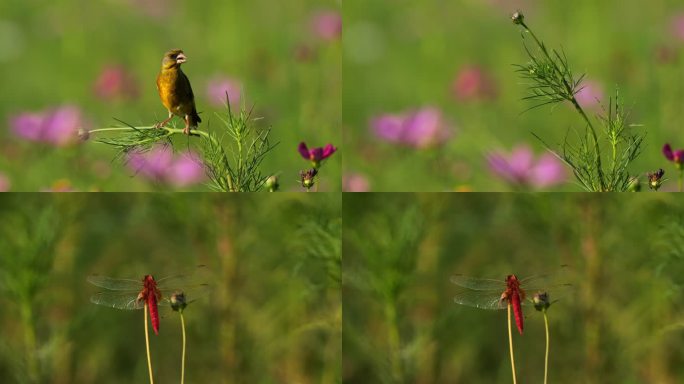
[186, 131]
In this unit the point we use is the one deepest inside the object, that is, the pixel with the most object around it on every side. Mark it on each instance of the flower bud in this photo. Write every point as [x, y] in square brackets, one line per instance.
[541, 301]
[634, 185]
[308, 177]
[517, 17]
[178, 302]
[272, 183]
[83, 134]
[655, 179]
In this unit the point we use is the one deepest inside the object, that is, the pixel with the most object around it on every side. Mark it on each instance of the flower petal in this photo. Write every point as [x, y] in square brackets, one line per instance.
[667, 151]
[304, 151]
[328, 151]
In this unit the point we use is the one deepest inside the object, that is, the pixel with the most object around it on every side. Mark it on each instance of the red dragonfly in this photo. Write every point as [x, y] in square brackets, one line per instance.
[498, 294]
[136, 294]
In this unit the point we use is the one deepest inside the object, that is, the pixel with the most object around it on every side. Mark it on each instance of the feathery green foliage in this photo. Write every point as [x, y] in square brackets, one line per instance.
[550, 80]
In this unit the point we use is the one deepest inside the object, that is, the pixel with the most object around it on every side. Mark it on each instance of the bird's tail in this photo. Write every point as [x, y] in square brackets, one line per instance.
[194, 118]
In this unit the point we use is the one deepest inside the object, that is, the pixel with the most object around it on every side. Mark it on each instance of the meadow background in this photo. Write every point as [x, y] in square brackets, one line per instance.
[444, 70]
[623, 323]
[273, 314]
[69, 64]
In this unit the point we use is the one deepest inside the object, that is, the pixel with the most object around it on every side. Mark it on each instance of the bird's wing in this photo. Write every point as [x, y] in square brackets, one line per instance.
[184, 88]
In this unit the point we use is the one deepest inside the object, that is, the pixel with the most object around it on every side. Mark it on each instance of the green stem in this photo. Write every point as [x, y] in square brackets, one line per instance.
[510, 343]
[147, 345]
[394, 342]
[546, 356]
[183, 355]
[681, 179]
[574, 102]
[30, 341]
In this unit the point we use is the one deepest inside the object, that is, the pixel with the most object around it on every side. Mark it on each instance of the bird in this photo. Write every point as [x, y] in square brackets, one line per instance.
[175, 91]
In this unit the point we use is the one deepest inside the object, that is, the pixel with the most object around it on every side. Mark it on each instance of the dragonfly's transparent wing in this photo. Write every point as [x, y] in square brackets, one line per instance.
[191, 293]
[480, 299]
[559, 276]
[479, 284]
[119, 300]
[192, 277]
[555, 292]
[555, 284]
[116, 284]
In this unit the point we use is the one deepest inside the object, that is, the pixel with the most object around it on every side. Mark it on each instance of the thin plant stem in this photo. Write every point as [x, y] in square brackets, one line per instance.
[510, 343]
[575, 104]
[30, 340]
[681, 180]
[147, 345]
[183, 354]
[546, 356]
[394, 342]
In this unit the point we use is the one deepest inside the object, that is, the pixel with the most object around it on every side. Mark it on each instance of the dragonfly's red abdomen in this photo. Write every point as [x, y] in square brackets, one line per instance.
[517, 310]
[516, 295]
[153, 296]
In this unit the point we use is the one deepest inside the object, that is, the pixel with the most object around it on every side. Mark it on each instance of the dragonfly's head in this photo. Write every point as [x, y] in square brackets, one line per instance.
[148, 279]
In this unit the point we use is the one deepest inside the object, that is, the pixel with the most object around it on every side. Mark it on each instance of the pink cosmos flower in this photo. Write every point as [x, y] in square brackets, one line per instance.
[57, 126]
[355, 182]
[218, 86]
[4, 183]
[162, 165]
[115, 82]
[676, 156]
[316, 155]
[677, 26]
[473, 83]
[421, 128]
[327, 25]
[590, 95]
[520, 168]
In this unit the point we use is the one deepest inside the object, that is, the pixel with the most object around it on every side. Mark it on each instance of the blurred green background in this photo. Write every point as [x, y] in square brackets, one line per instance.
[624, 323]
[273, 315]
[54, 51]
[402, 55]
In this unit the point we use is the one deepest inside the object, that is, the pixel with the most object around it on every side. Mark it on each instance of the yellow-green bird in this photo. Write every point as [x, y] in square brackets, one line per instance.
[175, 90]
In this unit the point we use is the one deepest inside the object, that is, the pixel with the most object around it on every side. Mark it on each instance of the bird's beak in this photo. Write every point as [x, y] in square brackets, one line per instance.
[180, 59]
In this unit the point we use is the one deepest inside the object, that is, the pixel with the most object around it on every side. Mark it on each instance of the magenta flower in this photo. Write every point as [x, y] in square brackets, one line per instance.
[676, 156]
[355, 182]
[4, 183]
[422, 128]
[520, 168]
[162, 165]
[677, 26]
[115, 82]
[218, 86]
[590, 94]
[57, 127]
[472, 83]
[316, 155]
[327, 25]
